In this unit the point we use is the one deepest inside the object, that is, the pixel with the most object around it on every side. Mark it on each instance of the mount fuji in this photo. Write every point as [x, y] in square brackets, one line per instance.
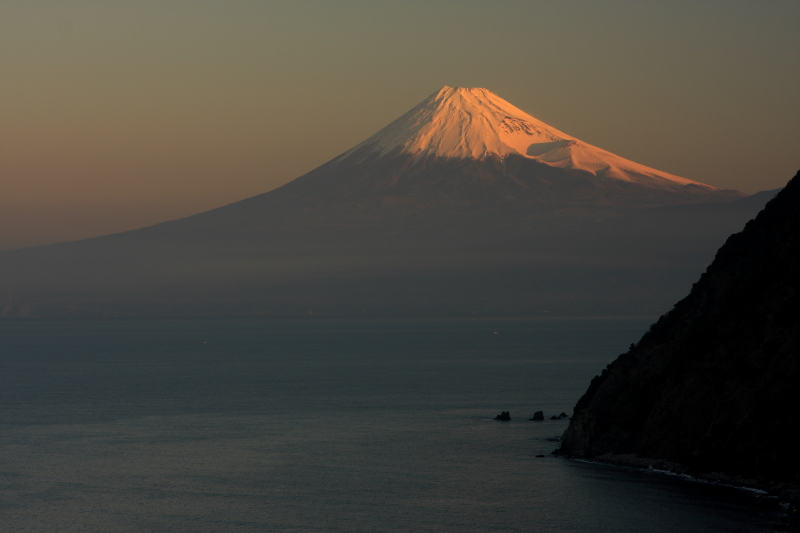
[463, 205]
[468, 150]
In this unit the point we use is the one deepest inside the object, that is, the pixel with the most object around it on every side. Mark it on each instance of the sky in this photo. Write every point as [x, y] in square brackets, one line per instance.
[119, 115]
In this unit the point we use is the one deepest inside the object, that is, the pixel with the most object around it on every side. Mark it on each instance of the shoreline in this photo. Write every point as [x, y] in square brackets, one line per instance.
[787, 494]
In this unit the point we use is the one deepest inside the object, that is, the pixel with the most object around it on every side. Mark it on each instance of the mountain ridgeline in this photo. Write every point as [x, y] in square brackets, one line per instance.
[715, 383]
[464, 205]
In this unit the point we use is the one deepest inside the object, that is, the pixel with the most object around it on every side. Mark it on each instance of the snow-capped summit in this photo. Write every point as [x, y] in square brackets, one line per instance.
[461, 123]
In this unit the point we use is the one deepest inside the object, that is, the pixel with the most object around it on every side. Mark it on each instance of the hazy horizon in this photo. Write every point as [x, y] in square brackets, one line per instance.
[119, 116]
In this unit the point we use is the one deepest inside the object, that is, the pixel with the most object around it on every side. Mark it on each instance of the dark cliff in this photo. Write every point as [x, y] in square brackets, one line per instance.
[715, 383]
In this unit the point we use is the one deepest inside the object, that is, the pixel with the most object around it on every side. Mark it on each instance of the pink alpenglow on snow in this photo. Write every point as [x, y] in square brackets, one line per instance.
[476, 123]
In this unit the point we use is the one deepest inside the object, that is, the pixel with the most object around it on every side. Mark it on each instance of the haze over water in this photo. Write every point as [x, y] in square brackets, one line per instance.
[322, 425]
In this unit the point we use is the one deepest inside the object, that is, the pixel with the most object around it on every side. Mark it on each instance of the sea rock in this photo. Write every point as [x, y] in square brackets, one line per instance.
[555, 417]
[713, 384]
[504, 416]
[538, 416]
[563, 415]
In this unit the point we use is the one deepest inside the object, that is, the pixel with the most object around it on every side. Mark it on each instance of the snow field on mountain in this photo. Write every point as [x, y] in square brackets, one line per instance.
[475, 123]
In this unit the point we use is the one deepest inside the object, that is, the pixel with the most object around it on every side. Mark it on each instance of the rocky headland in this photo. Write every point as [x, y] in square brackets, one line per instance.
[713, 388]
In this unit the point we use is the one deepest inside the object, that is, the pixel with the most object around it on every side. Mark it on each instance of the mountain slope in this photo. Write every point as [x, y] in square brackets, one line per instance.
[463, 155]
[451, 208]
[715, 383]
[634, 264]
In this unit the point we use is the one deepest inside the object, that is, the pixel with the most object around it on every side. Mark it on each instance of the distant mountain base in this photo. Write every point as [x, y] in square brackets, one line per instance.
[633, 265]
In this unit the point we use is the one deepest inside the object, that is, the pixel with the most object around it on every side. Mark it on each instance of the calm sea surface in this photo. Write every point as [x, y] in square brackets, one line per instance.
[322, 425]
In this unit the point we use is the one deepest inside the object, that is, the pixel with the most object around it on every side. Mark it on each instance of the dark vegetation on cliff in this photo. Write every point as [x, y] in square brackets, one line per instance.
[715, 383]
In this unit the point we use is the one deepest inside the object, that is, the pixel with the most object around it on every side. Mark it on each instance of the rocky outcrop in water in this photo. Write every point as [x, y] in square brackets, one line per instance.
[715, 383]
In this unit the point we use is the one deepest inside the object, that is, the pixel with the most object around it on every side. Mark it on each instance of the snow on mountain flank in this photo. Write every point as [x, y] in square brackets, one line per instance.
[476, 123]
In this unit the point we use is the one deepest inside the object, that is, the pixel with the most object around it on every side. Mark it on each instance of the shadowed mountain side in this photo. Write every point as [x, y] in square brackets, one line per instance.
[364, 189]
[466, 264]
[688, 234]
[714, 383]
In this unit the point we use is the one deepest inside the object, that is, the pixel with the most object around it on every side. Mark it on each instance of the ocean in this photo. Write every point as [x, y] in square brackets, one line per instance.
[239, 425]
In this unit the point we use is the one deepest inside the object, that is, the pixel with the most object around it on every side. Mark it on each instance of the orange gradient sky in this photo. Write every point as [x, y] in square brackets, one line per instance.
[117, 115]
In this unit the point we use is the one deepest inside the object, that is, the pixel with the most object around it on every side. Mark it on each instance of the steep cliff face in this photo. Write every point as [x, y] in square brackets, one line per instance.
[715, 383]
